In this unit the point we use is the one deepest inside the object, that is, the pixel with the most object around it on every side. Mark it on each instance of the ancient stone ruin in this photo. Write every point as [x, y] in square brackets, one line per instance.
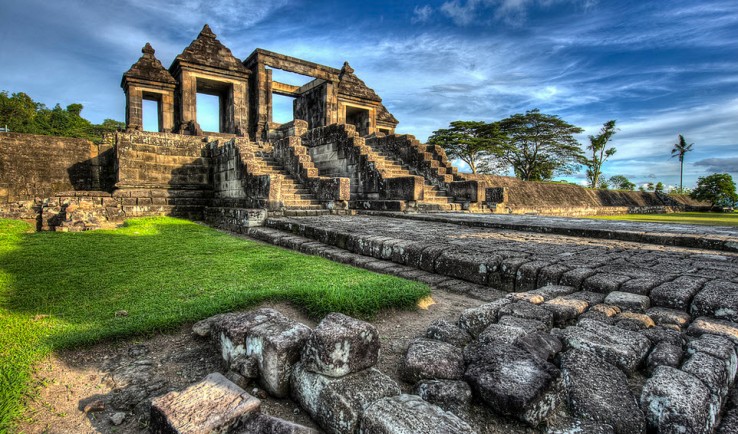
[575, 327]
[340, 153]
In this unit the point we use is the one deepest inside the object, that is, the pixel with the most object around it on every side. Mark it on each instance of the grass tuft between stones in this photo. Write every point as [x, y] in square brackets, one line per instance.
[60, 290]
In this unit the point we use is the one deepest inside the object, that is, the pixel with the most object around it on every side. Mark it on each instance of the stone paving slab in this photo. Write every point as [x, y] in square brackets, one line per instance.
[724, 238]
[516, 261]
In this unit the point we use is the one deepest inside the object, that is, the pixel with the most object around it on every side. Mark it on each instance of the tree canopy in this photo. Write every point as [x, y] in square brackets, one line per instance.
[476, 143]
[620, 182]
[24, 115]
[600, 153]
[538, 146]
[718, 189]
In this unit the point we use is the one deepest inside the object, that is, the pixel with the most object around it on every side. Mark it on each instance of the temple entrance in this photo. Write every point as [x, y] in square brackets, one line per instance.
[214, 106]
[358, 117]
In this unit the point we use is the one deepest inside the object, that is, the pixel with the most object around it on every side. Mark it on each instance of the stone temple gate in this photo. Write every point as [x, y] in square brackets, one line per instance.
[340, 153]
[245, 91]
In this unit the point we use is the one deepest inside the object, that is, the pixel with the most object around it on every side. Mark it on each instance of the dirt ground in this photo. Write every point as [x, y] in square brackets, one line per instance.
[87, 389]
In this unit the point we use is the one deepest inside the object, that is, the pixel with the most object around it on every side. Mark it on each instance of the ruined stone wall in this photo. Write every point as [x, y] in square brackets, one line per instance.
[311, 106]
[162, 160]
[567, 199]
[237, 180]
[33, 167]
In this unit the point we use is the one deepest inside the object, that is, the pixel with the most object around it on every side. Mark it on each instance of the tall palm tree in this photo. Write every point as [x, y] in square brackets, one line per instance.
[679, 150]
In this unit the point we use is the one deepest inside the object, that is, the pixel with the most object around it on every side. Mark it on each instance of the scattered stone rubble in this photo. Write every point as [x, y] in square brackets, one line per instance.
[556, 359]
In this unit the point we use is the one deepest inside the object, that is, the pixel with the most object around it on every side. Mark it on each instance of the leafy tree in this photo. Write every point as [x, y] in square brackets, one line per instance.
[718, 189]
[659, 187]
[620, 182]
[474, 142]
[17, 111]
[680, 148]
[538, 145]
[650, 186]
[23, 115]
[600, 152]
[604, 184]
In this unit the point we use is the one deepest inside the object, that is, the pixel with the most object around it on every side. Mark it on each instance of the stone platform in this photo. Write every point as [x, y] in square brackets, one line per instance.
[704, 237]
[578, 334]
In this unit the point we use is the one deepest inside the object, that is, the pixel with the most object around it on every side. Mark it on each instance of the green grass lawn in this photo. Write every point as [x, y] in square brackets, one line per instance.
[692, 218]
[59, 290]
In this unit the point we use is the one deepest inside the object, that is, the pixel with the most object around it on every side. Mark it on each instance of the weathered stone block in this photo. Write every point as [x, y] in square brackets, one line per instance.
[211, 405]
[664, 354]
[718, 299]
[599, 391]
[525, 310]
[711, 371]
[529, 296]
[639, 321]
[340, 345]
[262, 423]
[622, 348]
[465, 265]
[337, 404]
[628, 302]
[430, 359]
[513, 382]
[565, 310]
[410, 414]
[604, 282]
[276, 346]
[542, 345]
[528, 325]
[590, 297]
[669, 317]
[450, 395]
[726, 329]
[553, 291]
[445, 331]
[719, 347]
[660, 334]
[678, 293]
[581, 426]
[229, 331]
[729, 422]
[474, 320]
[677, 402]
[497, 333]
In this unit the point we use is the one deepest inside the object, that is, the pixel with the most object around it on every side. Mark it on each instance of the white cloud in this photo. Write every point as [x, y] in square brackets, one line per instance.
[421, 15]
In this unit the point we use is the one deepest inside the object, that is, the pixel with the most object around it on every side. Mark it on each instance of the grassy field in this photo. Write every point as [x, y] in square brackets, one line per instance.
[692, 218]
[59, 290]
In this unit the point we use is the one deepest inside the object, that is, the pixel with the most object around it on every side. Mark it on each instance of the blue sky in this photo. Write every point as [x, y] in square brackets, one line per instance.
[660, 68]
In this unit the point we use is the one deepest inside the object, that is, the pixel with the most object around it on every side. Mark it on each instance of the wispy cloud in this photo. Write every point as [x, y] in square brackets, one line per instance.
[422, 14]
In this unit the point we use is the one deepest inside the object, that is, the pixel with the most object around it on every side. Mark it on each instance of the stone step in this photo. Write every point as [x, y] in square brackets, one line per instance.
[316, 246]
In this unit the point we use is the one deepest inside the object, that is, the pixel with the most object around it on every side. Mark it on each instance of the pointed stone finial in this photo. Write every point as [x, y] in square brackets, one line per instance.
[347, 68]
[148, 49]
[207, 32]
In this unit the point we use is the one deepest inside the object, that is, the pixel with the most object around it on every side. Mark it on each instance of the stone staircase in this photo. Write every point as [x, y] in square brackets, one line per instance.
[295, 195]
[435, 198]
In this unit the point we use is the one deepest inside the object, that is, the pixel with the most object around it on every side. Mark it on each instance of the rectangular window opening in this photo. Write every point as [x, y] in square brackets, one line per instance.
[151, 121]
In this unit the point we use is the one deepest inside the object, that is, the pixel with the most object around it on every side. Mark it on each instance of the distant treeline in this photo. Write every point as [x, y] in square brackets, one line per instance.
[21, 114]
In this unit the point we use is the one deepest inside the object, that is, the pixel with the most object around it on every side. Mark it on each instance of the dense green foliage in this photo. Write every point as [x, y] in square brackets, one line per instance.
[59, 290]
[24, 115]
[538, 146]
[474, 142]
[620, 182]
[600, 153]
[718, 189]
